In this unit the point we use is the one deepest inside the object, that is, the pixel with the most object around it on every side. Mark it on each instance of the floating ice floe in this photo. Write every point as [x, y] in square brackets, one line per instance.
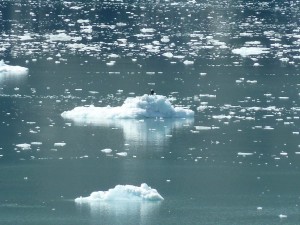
[8, 70]
[244, 153]
[188, 62]
[147, 30]
[123, 193]
[61, 37]
[123, 154]
[247, 51]
[202, 128]
[106, 150]
[24, 146]
[146, 106]
[59, 144]
[282, 216]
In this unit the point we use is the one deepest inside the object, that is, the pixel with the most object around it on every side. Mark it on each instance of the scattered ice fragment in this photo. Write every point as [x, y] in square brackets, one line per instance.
[165, 39]
[244, 153]
[59, 144]
[106, 150]
[111, 63]
[268, 128]
[220, 117]
[62, 37]
[123, 193]
[36, 143]
[188, 62]
[202, 128]
[24, 146]
[147, 30]
[168, 54]
[83, 21]
[282, 216]
[283, 98]
[124, 154]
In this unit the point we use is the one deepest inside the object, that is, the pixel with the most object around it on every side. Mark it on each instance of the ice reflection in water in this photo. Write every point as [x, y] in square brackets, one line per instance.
[146, 131]
[135, 212]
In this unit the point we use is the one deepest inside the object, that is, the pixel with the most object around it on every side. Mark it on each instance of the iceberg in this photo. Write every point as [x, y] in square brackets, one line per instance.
[140, 107]
[7, 70]
[123, 193]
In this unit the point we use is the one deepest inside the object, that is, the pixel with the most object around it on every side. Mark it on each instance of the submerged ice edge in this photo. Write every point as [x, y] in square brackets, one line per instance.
[123, 193]
[146, 106]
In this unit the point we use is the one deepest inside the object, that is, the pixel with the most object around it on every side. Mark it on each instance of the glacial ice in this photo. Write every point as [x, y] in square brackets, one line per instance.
[8, 70]
[106, 150]
[123, 193]
[247, 51]
[24, 146]
[146, 106]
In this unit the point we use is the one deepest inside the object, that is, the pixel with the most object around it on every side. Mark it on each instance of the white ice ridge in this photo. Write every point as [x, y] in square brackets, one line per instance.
[146, 106]
[123, 193]
[8, 70]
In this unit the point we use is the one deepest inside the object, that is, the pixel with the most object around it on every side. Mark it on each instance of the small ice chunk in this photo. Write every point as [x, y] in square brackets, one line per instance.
[284, 98]
[188, 62]
[220, 117]
[244, 153]
[268, 128]
[165, 39]
[124, 154]
[59, 144]
[282, 216]
[36, 143]
[147, 30]
[61, 37]
[111, 63]
[168, 54]
[106, 150]
[24, 146]
[202, 128]
[83, 21]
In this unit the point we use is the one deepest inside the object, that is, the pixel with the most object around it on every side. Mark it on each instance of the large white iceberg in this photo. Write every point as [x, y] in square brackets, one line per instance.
[7, 70]
[123, 193]
[146, 106]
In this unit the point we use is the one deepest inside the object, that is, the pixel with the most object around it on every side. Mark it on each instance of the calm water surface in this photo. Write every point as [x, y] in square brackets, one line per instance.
[234, 63]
